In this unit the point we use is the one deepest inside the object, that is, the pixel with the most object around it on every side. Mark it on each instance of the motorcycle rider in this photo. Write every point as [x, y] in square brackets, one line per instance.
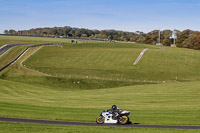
[115, 111]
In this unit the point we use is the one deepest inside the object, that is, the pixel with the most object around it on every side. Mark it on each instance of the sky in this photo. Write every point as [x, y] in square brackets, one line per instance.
[125, 15]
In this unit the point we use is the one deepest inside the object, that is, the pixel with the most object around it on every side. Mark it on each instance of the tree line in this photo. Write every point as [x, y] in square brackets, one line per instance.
[185, 39]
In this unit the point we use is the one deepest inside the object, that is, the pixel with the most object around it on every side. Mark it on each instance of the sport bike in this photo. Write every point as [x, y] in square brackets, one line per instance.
[109, 117]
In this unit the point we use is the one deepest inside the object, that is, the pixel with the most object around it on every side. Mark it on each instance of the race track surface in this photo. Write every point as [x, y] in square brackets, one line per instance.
[7, 119]
[5, 48]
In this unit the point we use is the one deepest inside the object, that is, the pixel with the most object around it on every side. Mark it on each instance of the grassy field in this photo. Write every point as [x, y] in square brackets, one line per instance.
[12, 54]
[38, 128]
[22, 39]
[77, 81]
[9, 56]
[110, 65]
[172, 103]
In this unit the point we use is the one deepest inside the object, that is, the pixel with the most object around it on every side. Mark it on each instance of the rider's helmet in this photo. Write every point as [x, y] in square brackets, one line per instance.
[114, 107]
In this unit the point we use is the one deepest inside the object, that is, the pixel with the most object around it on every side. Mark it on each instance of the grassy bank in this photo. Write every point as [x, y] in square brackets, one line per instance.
[23, 39]
[11, 55]
[173, 103]
[76, 82]
[112, 64]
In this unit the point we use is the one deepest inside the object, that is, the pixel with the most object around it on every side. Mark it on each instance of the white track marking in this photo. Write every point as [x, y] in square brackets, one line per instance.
[3, 46]
[6, 50]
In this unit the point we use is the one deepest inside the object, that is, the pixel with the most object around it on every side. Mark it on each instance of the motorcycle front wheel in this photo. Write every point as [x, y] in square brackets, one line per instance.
[100, 120]
[123, 120]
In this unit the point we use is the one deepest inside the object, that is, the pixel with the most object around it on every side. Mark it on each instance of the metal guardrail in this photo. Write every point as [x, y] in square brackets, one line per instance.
[1, 69]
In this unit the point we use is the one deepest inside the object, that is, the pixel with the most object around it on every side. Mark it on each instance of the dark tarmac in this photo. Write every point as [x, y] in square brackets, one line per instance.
[9, 46]
[7, 119]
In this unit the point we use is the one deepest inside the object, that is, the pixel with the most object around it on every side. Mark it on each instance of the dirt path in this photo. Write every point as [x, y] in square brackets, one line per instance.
[21, 63]
[140, 56]
[24, 59]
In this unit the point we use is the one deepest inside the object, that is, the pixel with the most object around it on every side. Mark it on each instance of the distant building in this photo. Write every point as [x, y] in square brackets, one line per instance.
[174, 37]
[159, 44]
[173, 45]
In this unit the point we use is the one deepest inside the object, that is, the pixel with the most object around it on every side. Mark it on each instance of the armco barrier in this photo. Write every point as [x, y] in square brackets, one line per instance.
[1, 69]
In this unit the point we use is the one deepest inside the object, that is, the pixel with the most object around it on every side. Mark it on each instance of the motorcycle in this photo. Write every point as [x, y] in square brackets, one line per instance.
[109, 117]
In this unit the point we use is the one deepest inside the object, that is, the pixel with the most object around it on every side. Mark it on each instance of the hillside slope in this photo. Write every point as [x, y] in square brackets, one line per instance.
[106, 63]
[171, 103]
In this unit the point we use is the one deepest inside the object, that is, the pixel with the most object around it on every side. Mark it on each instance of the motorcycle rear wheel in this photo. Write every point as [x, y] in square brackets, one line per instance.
[100, 120]
[123, 120]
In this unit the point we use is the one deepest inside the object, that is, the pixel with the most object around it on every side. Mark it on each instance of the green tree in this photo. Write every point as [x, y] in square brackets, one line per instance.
[6, 32]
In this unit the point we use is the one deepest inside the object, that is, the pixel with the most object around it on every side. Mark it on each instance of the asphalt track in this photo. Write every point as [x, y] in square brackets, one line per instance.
[5, 48]
[8, 119]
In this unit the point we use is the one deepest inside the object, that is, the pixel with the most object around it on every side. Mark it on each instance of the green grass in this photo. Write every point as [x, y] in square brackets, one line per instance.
[172, 103]
[7, 127]
[21, 39]
[109, 64]
[83, 79]
[90, 75]
[10, 55]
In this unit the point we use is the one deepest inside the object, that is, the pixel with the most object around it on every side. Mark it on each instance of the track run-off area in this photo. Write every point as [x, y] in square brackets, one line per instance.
[8, 119]
[7, 47]
[56, 122]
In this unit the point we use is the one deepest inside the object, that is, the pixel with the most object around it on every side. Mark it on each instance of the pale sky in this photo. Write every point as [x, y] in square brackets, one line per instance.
[126, 15]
